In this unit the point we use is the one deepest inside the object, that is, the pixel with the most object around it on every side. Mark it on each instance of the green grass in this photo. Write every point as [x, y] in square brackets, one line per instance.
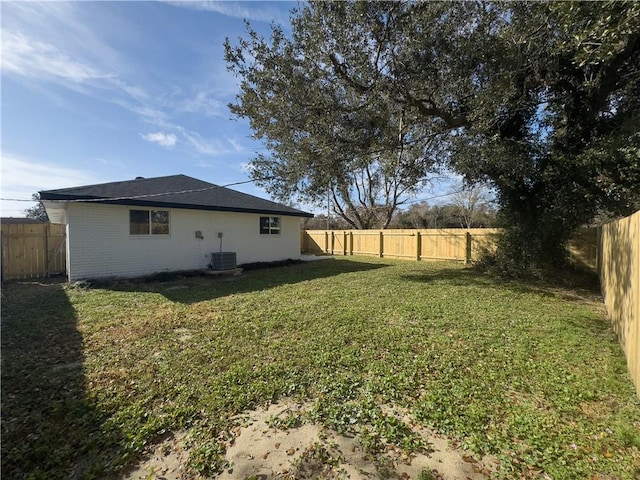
[531, 373]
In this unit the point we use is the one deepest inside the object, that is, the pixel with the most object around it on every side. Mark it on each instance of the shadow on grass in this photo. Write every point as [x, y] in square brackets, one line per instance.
[570, 284]
[454, 276]
[50, 429]
[193, 287]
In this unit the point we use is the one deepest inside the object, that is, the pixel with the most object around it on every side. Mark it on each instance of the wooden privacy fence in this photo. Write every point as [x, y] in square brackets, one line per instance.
[32, 250]
[444, 244]
[619, 269]
[449, 244]
[583, 248]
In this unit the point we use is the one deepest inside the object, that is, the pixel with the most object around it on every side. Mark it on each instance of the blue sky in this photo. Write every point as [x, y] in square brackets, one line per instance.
[95, 92]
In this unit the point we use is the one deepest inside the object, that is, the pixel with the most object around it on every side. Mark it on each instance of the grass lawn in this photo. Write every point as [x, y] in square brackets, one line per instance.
[531, 373]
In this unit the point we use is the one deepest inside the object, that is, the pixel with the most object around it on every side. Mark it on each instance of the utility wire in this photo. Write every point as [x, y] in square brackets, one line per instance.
[150, 195]
[133, 197]
[212, 187]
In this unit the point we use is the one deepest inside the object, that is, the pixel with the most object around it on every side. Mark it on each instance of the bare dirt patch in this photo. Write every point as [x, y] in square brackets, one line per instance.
[259, 451]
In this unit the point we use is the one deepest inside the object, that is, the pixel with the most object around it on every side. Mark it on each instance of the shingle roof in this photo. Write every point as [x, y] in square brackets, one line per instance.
[176, 191]
[20, 220]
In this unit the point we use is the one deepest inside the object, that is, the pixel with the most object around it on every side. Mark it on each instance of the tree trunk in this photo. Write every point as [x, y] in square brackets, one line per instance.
[534, 238]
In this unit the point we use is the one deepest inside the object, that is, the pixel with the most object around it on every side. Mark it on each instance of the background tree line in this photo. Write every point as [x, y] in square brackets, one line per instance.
[465, 207]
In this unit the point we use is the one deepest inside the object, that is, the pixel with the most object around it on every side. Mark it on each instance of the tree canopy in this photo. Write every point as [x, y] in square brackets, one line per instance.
[38, 211]
[539, 99]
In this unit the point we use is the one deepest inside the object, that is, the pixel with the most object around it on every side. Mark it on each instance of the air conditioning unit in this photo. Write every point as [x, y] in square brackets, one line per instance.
[223, 260]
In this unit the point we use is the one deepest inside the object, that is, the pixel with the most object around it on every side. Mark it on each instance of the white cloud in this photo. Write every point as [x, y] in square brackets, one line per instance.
[146, 113]
[235, 10]
[33, 175]
[212, 146]
[134, 92]
[79, 30]
[21, 178]
[166, 140]
[40, 60]
[237, 146]
[203, 103]
[61, 44]
[205, 147]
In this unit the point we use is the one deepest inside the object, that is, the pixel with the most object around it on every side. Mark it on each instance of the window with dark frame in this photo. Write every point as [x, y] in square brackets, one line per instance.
[148, 222]
[269, 225]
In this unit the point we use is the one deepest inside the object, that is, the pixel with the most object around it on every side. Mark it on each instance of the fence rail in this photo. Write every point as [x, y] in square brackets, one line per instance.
[32, 250]
[619, 269]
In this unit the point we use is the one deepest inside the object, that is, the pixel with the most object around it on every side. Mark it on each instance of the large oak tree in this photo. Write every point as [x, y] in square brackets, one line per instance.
[541, 100]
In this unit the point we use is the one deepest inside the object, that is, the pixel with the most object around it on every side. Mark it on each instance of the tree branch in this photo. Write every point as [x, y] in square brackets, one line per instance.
[428, 109]
[341, 70]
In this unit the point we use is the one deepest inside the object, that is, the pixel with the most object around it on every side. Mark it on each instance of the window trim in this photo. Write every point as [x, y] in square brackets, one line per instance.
[150, 223]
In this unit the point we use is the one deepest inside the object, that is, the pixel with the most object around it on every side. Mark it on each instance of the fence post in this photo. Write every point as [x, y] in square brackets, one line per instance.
[418, 245]
[599, 252]
[326, 242]
[350, 243]
[381, 242]
[333, 242]
[47, 234]
[467, 249]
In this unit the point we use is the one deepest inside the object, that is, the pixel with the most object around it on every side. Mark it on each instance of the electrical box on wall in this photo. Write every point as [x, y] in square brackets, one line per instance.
[199, 235]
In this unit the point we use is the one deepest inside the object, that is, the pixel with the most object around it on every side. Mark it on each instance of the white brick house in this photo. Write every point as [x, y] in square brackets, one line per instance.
[145, 226]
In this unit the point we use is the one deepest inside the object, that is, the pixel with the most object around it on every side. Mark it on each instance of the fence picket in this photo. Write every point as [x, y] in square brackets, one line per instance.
[32, 250]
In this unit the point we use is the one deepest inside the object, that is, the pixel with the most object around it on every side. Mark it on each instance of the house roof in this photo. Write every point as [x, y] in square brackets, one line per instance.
[20, 220]
[176, 191]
